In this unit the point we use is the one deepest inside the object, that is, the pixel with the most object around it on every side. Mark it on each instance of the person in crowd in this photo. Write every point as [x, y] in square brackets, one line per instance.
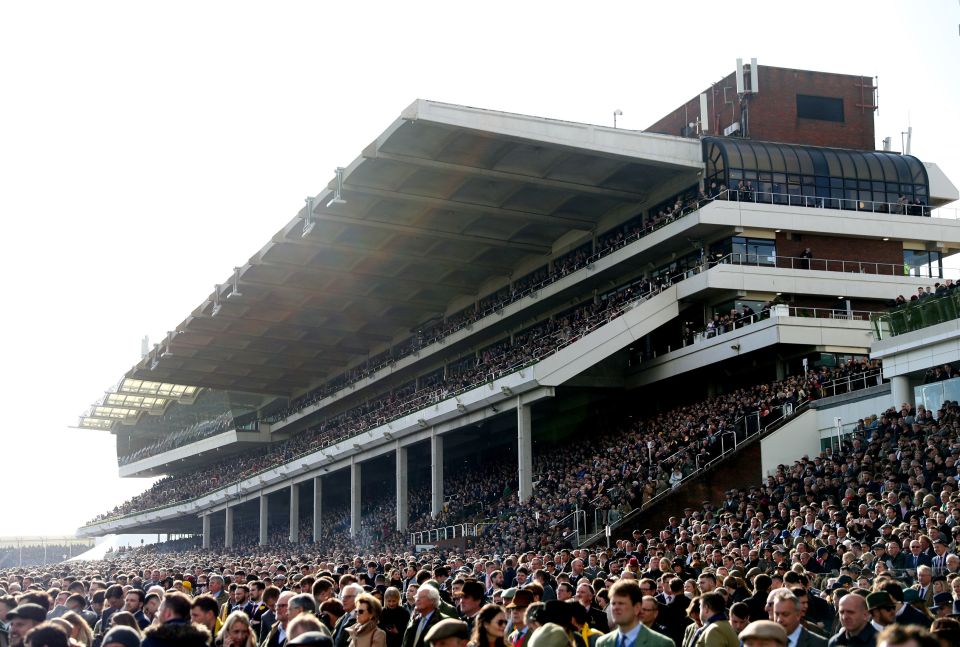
[174, 628]
[716, 630]
[490, 627]
[427, 614]
[856, 628]
[626, 599]
[277, 634]
[21, 619]
[763, 633]
[236, 631]
[366, 632]
[394, 617]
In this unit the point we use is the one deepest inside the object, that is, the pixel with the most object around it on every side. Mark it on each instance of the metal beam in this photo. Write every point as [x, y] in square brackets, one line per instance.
[318, 244]
[346, 293]
[414, 230]
[562, 185]
[524, 217]
[330, 348]
[392, 279]
[248, 384]
[328, 325]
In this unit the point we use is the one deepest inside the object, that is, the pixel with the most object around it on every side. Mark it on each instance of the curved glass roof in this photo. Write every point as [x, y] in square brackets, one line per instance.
[723, 153]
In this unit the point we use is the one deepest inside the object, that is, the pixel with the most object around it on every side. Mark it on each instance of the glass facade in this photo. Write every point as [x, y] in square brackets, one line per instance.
[922, 263]
[752, 251]
[829, 177]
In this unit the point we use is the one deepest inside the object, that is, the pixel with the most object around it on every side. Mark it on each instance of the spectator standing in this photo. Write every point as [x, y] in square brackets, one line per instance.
[174, 628]
[626, 599]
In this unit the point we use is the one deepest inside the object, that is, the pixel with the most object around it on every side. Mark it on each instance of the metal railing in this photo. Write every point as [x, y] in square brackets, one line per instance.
[825, 265]
[443, 533]
[842, 204]
[915, 315]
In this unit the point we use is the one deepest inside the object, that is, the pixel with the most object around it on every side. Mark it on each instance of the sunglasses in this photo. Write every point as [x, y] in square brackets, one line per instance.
[501, 623]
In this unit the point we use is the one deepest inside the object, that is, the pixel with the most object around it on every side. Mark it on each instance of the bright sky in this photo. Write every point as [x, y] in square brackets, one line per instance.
[148, 148]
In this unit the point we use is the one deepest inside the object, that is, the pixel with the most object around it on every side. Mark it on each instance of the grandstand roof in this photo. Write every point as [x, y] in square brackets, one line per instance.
[446, 199]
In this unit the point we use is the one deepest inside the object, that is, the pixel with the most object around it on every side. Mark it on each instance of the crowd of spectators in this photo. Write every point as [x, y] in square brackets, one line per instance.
[496, 360]
[617, 482]
[38, 553]
[859, 545]
[537, 279]
[191, 434]
[937, 290]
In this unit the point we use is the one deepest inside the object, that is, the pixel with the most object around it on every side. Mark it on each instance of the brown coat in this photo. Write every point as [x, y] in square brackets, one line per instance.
[367, 635]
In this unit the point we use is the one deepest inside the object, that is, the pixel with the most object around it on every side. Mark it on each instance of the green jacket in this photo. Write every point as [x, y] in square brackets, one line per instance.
[646, 638]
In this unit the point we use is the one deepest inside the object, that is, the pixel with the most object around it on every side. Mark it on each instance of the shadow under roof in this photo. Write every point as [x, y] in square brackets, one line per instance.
[444, 200]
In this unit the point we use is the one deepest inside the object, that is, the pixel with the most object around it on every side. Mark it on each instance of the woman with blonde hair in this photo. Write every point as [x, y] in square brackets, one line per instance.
[236, 631]
[80, 631]
[366, 633]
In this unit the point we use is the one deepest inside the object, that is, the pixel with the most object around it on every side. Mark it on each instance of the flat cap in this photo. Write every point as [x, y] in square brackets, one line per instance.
[549, 635]
[28, 611]
[448, 628]
[765, 630]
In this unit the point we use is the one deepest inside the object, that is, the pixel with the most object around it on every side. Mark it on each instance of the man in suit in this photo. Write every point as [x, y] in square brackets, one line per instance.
[348, 597]
[626, 599]
[917, 557]
[426, 614]
[906, 614]
[924, 585]
[758, 601]
[787, 614]
[716, 630]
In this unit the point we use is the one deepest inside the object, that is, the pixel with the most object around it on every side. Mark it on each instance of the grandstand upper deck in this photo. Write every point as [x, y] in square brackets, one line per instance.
[446, 201]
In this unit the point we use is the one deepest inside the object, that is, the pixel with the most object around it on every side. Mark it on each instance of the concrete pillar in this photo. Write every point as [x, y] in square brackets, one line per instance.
[228, 527]
[781, 369]
[317, 508]
[294, 513]
[436, 474]
[206, 530]
[900, 390]
[354, 497]
[403, 495]
[524, 451]
[264, 517]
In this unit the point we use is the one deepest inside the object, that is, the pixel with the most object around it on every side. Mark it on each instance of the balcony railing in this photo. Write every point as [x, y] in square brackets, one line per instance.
[842, 204]
[746, 429]
[915, 315]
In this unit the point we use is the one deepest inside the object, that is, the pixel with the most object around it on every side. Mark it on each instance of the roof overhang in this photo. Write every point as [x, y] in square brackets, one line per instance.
[446, 202]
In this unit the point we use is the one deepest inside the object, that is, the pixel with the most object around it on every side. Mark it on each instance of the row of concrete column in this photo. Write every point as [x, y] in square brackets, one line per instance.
[524, 469]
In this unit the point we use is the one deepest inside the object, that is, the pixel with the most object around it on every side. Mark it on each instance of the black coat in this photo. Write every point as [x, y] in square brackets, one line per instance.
[177, 633]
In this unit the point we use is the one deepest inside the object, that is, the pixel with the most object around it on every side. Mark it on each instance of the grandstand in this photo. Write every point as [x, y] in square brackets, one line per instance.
[479, 291]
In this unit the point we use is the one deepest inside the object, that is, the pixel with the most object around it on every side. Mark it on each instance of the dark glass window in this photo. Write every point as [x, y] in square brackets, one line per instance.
[814, 176]
[823, 108]
[922, 263]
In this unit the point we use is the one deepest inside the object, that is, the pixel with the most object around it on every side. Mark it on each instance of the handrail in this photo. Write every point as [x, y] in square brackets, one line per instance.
[465, 529]
[841, 204]
[818, 264]
[728, 447]
[916, 315]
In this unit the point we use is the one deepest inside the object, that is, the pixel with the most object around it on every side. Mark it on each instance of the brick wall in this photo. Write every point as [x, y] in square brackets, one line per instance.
[773, 110]
[846, 249]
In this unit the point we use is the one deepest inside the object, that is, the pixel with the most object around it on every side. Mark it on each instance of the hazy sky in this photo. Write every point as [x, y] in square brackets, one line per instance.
[148, 148]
